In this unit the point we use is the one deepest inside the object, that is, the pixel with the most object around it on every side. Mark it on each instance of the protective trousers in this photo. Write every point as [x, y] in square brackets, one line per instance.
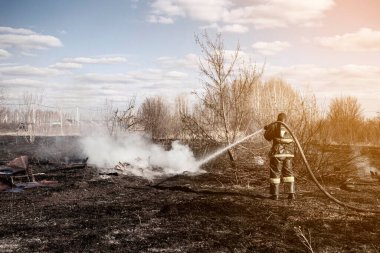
[281, 166]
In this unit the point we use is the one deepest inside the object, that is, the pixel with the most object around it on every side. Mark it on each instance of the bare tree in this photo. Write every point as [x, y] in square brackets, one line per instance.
[31, 101]
[181, 105]
[117, 120]
[154, 115]
[344, 119]
[181, 108]
[224, 112]
[369, 133]
[3, 109]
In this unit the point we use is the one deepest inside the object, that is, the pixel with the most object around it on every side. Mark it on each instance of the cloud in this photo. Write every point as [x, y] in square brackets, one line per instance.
[210, 11]
[189, 61]
[348, 78]
[4, 53]
[279, 13]
[365, 39]
[160, 19]
[78, 62]
[175, 75]
[229, 14]
[26, 39]
[270, 48]
[29, 54]
[151, 76]
[96, 60]
[145, 78]
[27, 70]
[67, 65]
[234, 28]
[21, 82]
[105, 78]
[16, 30]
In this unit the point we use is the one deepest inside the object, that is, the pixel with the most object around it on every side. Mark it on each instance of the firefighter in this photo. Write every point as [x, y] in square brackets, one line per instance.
[281, 157]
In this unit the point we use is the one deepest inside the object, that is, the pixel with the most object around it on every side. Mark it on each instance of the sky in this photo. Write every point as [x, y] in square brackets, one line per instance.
[80, 53]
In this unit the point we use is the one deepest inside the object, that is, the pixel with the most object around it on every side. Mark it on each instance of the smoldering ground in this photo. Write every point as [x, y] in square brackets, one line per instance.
[220, 213]
[137, 155]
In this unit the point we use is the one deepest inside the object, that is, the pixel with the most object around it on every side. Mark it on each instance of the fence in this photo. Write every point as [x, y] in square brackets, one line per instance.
[38, 119]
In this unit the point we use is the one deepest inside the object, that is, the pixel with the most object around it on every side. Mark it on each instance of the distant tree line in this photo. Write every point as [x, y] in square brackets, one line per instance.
[234, 102]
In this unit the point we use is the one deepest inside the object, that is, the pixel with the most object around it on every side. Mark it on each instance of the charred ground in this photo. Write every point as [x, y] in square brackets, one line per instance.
[224, 210]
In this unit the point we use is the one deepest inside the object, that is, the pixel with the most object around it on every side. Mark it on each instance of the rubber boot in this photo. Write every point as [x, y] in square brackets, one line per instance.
[290, 188]
[274, 191]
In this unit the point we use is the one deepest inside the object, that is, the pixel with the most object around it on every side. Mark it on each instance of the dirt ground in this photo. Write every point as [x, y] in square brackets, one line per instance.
[219, 211]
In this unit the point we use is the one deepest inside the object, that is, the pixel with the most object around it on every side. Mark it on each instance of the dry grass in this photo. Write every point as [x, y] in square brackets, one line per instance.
[306, 241]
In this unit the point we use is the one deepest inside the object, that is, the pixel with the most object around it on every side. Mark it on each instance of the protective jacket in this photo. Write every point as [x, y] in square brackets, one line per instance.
[283, 143]
[281, 156]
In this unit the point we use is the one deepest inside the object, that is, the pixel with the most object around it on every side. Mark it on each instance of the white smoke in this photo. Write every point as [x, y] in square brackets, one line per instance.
[364, 165]
[139, 156]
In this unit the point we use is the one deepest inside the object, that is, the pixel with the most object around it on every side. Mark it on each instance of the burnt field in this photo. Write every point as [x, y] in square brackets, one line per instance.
[82, 209]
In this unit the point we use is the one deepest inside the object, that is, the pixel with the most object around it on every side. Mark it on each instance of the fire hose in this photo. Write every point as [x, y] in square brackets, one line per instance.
[315, 179]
